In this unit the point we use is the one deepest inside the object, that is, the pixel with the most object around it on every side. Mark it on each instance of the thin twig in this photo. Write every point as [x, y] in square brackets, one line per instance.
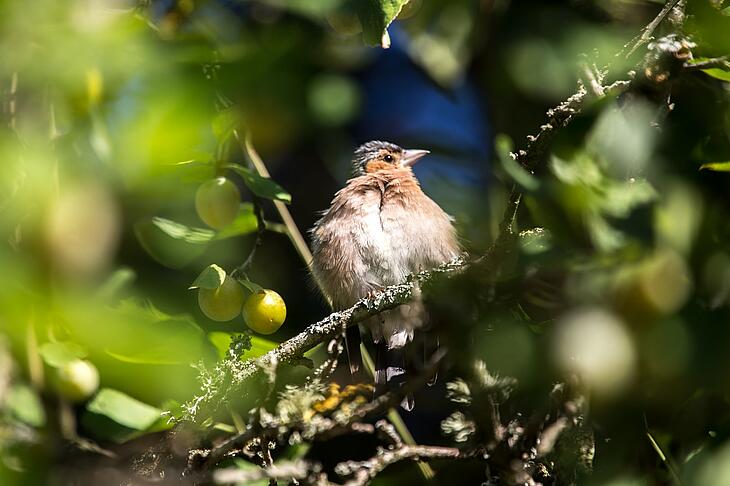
[715, 62]
[363, 471]
[646, 32]
[330, 429]
[258, 211]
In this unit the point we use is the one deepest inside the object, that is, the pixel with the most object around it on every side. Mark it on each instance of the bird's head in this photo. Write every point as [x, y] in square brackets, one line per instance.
[376, 156]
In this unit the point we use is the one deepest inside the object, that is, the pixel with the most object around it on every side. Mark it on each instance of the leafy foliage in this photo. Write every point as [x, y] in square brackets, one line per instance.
[582, 342]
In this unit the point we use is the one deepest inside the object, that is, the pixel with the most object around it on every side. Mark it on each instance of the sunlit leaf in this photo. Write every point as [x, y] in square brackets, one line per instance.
[211, 277]
[222, 342]
[252, 287]
[59, 353]
[116, 282]
[717, 73]
[261, 186]
[224, 123]
[716, 166]
[375, 17]
[514, 170]
[244, 223]
[172, 244]
[158, 338]
[175, 245]
[535, 241]
[24, 405]
[123, 409]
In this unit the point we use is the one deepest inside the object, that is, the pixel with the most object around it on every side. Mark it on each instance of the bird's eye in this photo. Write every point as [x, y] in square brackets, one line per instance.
[388, 158]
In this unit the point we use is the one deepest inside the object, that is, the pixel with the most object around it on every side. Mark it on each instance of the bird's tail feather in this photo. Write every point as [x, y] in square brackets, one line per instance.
[390, 372]
[352, 344]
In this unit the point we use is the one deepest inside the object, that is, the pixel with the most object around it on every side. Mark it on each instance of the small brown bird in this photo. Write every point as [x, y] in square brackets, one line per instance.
[380, 228]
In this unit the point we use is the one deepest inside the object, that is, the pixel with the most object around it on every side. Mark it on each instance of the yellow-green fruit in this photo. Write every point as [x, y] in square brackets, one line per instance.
[224, 303]
[77, 380]
[217, 202]
[264, 311]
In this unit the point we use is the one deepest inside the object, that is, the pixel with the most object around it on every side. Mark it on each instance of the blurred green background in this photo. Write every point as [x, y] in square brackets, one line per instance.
[114, 112]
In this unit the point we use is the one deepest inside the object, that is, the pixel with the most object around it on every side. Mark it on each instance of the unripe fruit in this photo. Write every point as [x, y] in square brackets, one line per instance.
[264, 311]
[224, 303]
[217, 202]
[77, 380]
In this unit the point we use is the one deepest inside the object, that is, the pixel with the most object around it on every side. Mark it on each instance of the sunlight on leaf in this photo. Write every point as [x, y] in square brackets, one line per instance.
[375, 17]
[261, 186]
[716, 166]
[59, 353]
[211, 277]
[123, 409]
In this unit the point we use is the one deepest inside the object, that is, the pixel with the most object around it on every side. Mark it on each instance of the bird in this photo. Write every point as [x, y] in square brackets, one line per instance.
[380, 228]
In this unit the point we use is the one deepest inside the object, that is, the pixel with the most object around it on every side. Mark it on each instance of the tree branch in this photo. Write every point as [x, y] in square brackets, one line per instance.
[231, 372]
[362, 472]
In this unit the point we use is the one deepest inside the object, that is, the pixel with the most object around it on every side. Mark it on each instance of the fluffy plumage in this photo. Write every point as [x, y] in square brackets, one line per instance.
[380, 228]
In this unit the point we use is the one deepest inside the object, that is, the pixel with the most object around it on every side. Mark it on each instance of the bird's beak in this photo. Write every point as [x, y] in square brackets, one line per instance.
[410, 157]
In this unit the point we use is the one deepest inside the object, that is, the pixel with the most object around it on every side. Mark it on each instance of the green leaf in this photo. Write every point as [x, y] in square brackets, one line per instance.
[375, 17]
[123, 409]
[181, 232]
[24, 405]
[211, 277]
[247, 466]
[261, 186]
[175, 245]
[244, 223]
[158, 338]
[535, 241]
[116, 282]
[260, 346]
[716, 166]
[250, 286]
[514, 170]
[57, 354]
[224, 123]
[222, 342]
[718, 73]
[172, 244]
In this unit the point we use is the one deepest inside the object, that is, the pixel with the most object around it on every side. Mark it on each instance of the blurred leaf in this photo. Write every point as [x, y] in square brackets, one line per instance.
[211, 277]
[247, 466]
[333, 99]
[121, 278]
[503, 145]
[159, 339]
[172, 244]
[716, 166]
[175, 245]
[718, 73]
[222, 342]
[535, 241]
[123, 409]
[24, 404]
[622, 197]
[260, 346]
[59, 353]
[375, 17]
[224, 123]
[244, 223]
[182, 232]
[261, 186]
